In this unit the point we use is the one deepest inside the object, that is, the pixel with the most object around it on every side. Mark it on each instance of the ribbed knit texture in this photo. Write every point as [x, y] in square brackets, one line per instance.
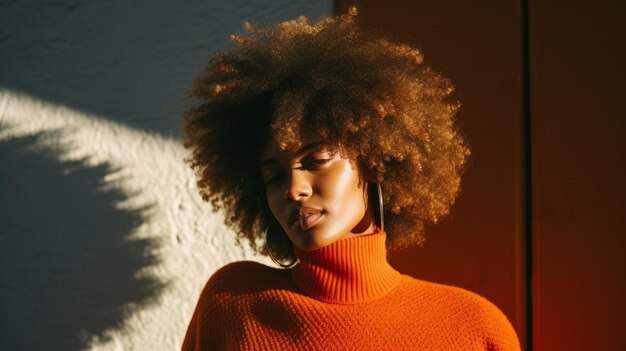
[353, 270]
[342, 297]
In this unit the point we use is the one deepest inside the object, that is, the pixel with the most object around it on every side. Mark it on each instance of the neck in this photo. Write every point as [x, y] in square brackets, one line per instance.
[349, 271]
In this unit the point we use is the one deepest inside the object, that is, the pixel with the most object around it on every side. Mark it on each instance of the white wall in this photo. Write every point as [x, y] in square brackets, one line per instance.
[104, 243]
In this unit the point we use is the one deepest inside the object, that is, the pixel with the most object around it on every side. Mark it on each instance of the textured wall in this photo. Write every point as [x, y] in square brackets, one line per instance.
[104, 243]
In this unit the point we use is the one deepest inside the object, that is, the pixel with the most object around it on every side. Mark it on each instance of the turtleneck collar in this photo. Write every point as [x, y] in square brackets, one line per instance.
[350, 271]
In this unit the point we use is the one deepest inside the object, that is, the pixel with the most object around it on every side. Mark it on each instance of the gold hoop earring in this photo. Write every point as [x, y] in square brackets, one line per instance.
[380, 207]
[269, 251]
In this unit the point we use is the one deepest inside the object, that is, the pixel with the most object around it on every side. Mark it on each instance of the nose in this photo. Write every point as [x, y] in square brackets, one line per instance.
[298, 187]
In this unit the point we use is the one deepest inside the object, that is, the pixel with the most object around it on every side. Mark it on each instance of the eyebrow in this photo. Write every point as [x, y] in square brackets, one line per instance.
[303, 150]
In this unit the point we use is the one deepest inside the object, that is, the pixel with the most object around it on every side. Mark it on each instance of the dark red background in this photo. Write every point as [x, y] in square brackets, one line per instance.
[539, 227]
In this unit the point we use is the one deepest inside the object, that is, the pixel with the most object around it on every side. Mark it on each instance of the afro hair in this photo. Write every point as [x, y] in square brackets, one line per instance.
[373, 99]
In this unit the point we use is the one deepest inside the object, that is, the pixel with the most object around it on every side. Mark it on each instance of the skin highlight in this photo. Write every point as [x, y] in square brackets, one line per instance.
[317, 196]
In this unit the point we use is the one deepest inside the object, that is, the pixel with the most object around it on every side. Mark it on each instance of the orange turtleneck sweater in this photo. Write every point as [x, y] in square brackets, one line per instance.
[344, 296]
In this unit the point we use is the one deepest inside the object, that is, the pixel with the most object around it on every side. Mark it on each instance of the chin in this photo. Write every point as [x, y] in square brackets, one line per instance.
[315, 239]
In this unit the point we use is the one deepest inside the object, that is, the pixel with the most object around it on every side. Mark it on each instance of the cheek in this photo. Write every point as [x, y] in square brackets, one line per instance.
[345, 191]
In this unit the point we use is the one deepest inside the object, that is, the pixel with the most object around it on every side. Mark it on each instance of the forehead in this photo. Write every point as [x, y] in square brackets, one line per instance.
[272, 150]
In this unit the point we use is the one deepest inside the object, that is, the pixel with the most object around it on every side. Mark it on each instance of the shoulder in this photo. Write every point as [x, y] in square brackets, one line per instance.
[235, 270]
[467, 310]
[451, 296]
[219, 306]
[243, 277]
[235, 284]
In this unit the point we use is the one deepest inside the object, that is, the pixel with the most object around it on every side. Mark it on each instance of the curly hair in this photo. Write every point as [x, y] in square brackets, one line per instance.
[373, 99]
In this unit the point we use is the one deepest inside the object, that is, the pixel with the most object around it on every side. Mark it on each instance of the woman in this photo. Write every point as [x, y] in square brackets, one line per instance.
[333, 147]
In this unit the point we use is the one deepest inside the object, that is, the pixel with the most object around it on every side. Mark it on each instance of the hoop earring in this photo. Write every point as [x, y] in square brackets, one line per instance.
[380, 207]
[269, 251]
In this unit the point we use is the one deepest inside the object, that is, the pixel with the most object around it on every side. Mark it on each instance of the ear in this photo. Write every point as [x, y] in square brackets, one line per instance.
[369, 176]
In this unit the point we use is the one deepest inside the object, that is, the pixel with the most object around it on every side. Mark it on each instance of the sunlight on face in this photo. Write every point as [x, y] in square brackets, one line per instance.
[315, 194]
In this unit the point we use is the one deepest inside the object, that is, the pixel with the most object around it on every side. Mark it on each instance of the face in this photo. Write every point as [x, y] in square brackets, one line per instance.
[315, 194]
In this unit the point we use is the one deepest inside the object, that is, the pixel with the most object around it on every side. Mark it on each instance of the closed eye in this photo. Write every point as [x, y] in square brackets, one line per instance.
[317, 159]
[315, 163]
[320, 161]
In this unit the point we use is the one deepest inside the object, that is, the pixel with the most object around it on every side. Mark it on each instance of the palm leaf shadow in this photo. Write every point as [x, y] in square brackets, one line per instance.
[70, 268]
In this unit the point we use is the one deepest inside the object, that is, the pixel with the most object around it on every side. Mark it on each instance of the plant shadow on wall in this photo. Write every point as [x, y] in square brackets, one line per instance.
[70, 268]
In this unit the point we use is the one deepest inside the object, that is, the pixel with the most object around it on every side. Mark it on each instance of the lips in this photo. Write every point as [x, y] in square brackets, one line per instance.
[304, 218]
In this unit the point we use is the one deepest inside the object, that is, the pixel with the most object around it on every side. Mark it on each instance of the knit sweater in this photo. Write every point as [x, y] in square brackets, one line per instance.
[344, 296]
